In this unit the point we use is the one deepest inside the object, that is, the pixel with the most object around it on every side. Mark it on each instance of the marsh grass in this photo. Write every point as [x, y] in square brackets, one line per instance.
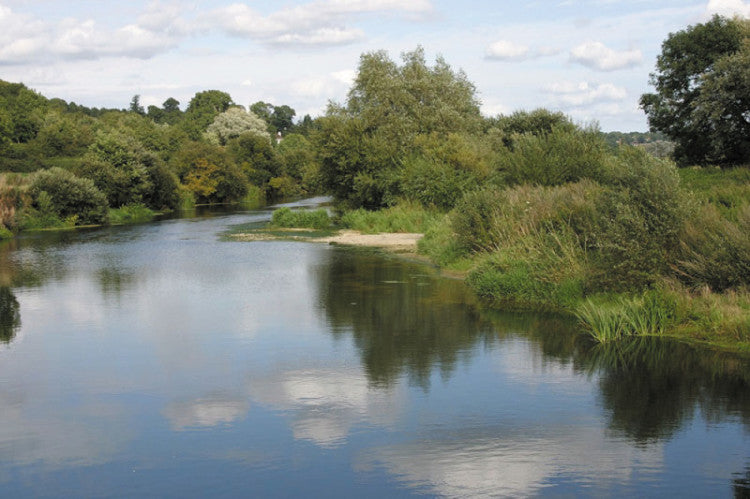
[304, 219]
[407, 217]
[611, 318]
[131, 213]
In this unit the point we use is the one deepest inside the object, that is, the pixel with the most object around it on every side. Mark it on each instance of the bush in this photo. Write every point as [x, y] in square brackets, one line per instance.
[560, 156]
[434, 183]
[68, 196]
[640, 219]
[488, 219]
[286, 218]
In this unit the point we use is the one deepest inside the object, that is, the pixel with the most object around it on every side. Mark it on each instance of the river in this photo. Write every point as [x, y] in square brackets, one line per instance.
[166, 360]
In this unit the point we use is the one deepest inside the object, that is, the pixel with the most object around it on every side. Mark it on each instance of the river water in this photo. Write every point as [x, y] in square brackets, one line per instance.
[165, 360]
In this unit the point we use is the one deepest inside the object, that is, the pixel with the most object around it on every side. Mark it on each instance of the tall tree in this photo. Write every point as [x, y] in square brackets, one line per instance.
[694, 105]
[363, 144]
[202, 110]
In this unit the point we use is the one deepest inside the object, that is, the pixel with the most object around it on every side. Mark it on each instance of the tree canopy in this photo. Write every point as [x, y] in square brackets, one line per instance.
[362, 144]
[702, 97]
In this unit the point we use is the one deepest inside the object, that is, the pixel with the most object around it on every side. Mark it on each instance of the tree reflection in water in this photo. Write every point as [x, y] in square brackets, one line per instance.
[10, 315]
[404, 321]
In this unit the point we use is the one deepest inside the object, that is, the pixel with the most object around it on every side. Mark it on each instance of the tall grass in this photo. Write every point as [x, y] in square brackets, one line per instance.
[131, 213]
[403, 217]
[288, 218]
[611, 318]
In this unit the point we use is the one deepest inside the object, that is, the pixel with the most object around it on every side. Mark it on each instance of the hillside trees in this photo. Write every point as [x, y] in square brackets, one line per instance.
[702, 84]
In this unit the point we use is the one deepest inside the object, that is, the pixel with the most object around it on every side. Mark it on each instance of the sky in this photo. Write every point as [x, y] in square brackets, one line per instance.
[590, 59]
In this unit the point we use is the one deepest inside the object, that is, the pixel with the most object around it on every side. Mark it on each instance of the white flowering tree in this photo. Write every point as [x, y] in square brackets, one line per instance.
[234, 122]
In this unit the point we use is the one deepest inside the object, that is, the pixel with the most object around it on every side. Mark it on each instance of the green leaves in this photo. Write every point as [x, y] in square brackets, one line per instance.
[703, 91]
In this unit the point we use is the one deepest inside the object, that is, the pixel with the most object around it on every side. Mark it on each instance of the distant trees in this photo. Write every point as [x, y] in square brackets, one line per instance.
[702, 99]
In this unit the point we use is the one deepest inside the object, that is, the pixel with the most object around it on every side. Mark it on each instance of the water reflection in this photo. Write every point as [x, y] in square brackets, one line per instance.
[654, 386]
[323, 404]
[403, 320]
[10, 315]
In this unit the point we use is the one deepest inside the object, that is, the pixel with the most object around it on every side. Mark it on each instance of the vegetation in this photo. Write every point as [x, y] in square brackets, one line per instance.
[62, 164]
[702, 83]
[537, 211]
[288, 218]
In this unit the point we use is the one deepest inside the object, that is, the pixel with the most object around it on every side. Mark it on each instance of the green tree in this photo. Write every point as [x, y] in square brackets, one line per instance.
[209, 173]
[255, 157]
[362, 145]
[135, 105]
[695, 103]
[202, 110]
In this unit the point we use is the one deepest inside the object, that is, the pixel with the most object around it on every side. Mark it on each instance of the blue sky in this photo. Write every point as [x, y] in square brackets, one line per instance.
[590, 58]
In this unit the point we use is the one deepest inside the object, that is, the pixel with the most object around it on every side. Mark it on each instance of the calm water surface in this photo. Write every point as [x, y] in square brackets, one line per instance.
[163, 360]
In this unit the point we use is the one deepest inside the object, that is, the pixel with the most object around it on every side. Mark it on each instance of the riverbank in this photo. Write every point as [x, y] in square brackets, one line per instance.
[564, 284]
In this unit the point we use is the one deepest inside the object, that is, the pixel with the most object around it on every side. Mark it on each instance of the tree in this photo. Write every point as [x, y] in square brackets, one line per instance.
[202, 110]
[135, 105]
[234, 122]
[362, 145]
[695, 103]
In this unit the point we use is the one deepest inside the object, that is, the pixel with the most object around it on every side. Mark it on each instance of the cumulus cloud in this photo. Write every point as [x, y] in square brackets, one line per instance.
[315, 23]
[25, 39]
[728, 8]
[323, 404]
[571, 94]
[596, 55]
[505, 50]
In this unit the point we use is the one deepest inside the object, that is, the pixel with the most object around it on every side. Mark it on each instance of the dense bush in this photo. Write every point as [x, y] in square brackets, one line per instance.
[69, 196]
[563, 155]
[640, 219]
[490, 218]
[402, 217]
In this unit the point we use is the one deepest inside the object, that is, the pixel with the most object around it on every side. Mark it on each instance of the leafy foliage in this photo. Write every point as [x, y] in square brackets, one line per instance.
[701, 97]
[66, 195]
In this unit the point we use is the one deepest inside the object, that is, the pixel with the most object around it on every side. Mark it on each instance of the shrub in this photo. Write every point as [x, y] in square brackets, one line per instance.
[434, 183]
[640, 219]
[560, 156]
[490, 218]
[69, 196]
[286, 218]
[132, 213]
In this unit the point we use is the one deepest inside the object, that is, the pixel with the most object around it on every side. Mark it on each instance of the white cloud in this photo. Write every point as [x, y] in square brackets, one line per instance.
[205, 412]
[345, 76]
[727, 8]
[570, 94]
[596, 55]
[505, 50]
[323, 404]
[315, 23]
[24, 39]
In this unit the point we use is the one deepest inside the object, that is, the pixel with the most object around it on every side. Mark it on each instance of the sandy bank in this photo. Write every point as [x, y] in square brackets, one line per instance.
[396, 242]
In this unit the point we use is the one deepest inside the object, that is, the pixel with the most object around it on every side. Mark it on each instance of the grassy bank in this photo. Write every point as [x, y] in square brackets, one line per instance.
[644, 250]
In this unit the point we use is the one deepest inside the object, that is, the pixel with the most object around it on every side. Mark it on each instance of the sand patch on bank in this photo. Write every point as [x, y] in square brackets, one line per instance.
[396, 242]
[391, 241]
